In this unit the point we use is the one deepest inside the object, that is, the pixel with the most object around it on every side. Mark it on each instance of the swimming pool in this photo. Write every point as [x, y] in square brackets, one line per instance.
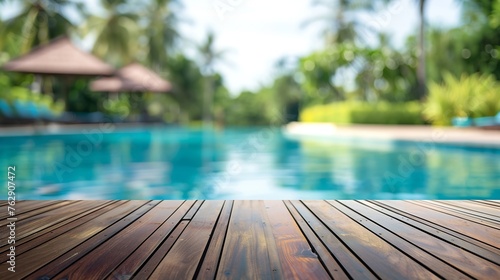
[241, 163]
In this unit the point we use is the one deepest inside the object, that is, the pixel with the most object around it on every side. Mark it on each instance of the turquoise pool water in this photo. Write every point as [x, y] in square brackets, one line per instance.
[256, 163]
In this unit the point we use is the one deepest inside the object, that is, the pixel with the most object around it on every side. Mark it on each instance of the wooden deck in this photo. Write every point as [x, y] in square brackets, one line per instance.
[248, 239]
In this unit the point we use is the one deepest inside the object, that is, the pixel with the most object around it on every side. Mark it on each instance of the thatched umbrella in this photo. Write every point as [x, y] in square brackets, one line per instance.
[59, 57]
[133, 78]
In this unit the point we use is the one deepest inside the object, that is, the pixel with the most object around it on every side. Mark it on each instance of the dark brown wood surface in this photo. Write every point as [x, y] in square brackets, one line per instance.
[252, 239]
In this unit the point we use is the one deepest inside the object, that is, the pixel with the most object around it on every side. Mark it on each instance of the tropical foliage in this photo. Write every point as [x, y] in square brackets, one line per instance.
[468, 96]
[349, 79]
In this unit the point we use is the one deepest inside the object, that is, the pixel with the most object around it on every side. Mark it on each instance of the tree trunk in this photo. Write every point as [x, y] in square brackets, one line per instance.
[421, 75]
[207, 102]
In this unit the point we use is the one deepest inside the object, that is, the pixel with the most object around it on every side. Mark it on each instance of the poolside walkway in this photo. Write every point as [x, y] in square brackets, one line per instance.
[250, 239]
[444, 135]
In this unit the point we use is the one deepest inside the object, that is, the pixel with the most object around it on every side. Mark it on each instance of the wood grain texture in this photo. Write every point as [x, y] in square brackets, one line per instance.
[133, 263]
[34, 224]
[182, 260]
[473, 209]
[25, 206]
[472, 245]
[384, 259]
[55, 255]
[441, 257]
[246, 253]
[465, 215]
[351, 263]
[49, 233]
[37, 211]
[189, 215]
[477, 231]
[208, 268]
[248, 239]
[295, 255]
[97, 264]
[330, 263]
[152, 262]
[494, 203]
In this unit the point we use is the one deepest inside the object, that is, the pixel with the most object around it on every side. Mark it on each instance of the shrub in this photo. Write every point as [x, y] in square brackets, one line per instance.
[11, 93]
[364, 113]
[470, 96]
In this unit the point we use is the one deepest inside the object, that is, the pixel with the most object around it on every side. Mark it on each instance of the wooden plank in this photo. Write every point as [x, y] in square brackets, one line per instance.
[189, 215]
[472, 245]
[477, 231]
[49, 233]
[457, 213]
[385, 260]
[490, 203]
[210, 262]
[349, 261]
[461, 210]
[181, 262]
[471, 209]
[98, 263]
[58, 253]
[34, 224]
[492, 212]
[26, 206]
[413, 242]
[296, 256]
[256, 239]
[247, 253]
[332, 266]
[133, 263]
[151, 264]
[38, 211]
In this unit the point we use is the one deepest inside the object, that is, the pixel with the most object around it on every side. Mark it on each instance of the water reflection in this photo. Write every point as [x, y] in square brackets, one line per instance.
[256, 163]
[405, 171]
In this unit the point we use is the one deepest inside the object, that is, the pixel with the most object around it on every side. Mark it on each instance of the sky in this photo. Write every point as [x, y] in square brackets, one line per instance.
[256, 33]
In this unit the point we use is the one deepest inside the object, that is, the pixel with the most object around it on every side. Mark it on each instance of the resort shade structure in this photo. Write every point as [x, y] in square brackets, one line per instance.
[132, 78]
[59, 57]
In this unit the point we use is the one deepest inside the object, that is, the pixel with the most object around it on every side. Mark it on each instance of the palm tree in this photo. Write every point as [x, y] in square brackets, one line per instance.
[187, 79]
[40, 21]
[161, 32]
[341, 24]
[117, 32]
[209, 57]
[421, 71]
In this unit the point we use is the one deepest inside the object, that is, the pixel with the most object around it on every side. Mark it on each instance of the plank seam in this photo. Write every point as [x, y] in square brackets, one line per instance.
[445, 230]
[200, 263]
[225, 237]
[443, 211]
[311, 245]
[400, 237]
[145, 239]
[155, 251]
[341, 241]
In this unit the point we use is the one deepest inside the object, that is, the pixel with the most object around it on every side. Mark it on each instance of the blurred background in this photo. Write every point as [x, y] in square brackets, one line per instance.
[250, 60]
[218, 80]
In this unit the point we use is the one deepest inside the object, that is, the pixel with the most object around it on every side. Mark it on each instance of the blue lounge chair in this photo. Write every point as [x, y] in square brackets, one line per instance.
[25, 109]
[462, 122]
[6, 110]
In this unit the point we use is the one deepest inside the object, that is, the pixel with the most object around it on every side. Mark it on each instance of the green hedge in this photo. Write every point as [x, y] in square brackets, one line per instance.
[365, 113]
